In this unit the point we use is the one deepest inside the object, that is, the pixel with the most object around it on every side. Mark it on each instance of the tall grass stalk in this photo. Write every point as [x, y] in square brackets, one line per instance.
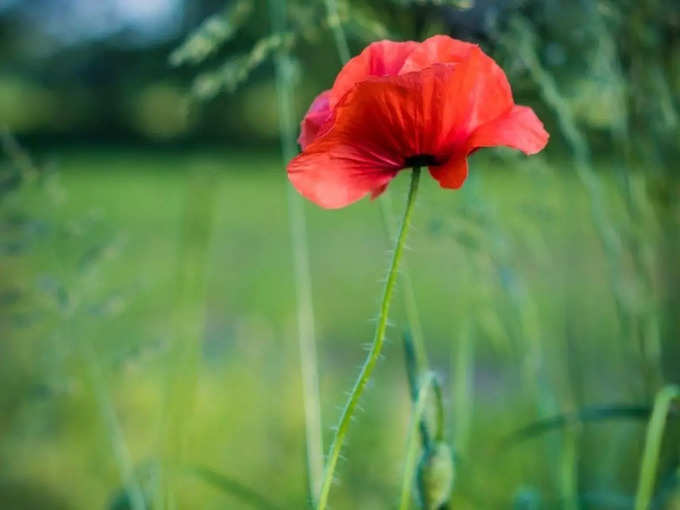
[105, 406]
[376, 347]
[498, 252]
[108, 414]
[412, 443]
[609, 237]
[569, 467]
[335, 25]
[650, 457]
[189, 319]
[303, 279]
[29, 172]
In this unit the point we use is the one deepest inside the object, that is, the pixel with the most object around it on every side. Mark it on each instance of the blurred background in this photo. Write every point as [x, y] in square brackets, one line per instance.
[148, 290]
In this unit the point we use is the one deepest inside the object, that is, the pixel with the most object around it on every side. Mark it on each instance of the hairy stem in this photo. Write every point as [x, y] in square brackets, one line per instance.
[410, 303]
[376, 347]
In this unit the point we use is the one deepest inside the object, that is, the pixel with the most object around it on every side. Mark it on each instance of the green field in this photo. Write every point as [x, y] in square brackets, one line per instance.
[129, 267]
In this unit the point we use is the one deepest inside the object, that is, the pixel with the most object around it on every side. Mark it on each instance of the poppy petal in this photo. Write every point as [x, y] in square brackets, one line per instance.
[376, 126]
[451, 174]
[438, 49]
[316, 119]
[336, 178]
[378, 191]
[479, 92]
[519, 128]
[382, 58]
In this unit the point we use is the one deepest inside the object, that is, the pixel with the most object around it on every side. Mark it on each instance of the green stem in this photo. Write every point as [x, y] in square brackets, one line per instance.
[439, 410]
[412, 444]
[108, 414]
[569, 468]
[183, 356]
[376, 347]
[650, 457]
[303, 280]
[338, 32]
[410, 303]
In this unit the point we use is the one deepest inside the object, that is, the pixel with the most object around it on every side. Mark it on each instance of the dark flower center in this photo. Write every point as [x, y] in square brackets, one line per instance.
[421, 160]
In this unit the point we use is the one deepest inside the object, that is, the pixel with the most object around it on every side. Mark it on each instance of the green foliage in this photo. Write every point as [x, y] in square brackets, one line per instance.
[236, 69]
[247, 417]
[550, 284]
[213, 33]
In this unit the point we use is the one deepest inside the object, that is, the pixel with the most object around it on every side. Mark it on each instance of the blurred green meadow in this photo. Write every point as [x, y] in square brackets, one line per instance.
[152, 301]
[99, 287]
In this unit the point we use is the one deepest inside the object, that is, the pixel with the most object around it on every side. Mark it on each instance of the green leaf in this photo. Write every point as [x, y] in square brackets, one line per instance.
[586, 415]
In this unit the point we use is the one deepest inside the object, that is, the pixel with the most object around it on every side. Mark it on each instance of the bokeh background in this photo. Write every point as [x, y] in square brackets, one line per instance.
[147, 288]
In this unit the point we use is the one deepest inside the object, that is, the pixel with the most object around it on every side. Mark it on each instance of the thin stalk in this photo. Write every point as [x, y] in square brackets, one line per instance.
[230, 486]
[431, 424]
[133, 488]
[412, 443]
[376, 347]
[410, 303]
[108, 414]
[107, 411]
[338, 32]
[300, 255]
[609, 236]
[189, 324]
[650, 458]
[569, 468]
[439, 410]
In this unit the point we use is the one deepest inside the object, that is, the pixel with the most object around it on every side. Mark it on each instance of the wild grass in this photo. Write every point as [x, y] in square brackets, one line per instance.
[247, 421]
[162, 348]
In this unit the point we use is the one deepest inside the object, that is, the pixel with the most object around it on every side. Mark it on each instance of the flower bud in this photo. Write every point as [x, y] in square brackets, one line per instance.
[435, 476]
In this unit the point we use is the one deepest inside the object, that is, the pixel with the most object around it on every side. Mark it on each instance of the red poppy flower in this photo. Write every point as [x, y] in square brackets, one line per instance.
[404, 104]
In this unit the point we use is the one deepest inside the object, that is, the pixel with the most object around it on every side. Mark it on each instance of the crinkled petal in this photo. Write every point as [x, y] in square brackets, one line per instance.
[336, 178]
[378, 124]
[382, 58]
[477, 92]
[316, 120]
[519, 128]
[453, 173]
[382, 123]
[439, 49]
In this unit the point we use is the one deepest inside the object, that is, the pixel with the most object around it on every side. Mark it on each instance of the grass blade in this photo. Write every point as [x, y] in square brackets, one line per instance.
[231, 487]
[300, 253]
[412, 442]
[650, 458]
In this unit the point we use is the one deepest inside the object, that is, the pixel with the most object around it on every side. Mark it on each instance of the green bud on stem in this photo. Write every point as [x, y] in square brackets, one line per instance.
[435, 476]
